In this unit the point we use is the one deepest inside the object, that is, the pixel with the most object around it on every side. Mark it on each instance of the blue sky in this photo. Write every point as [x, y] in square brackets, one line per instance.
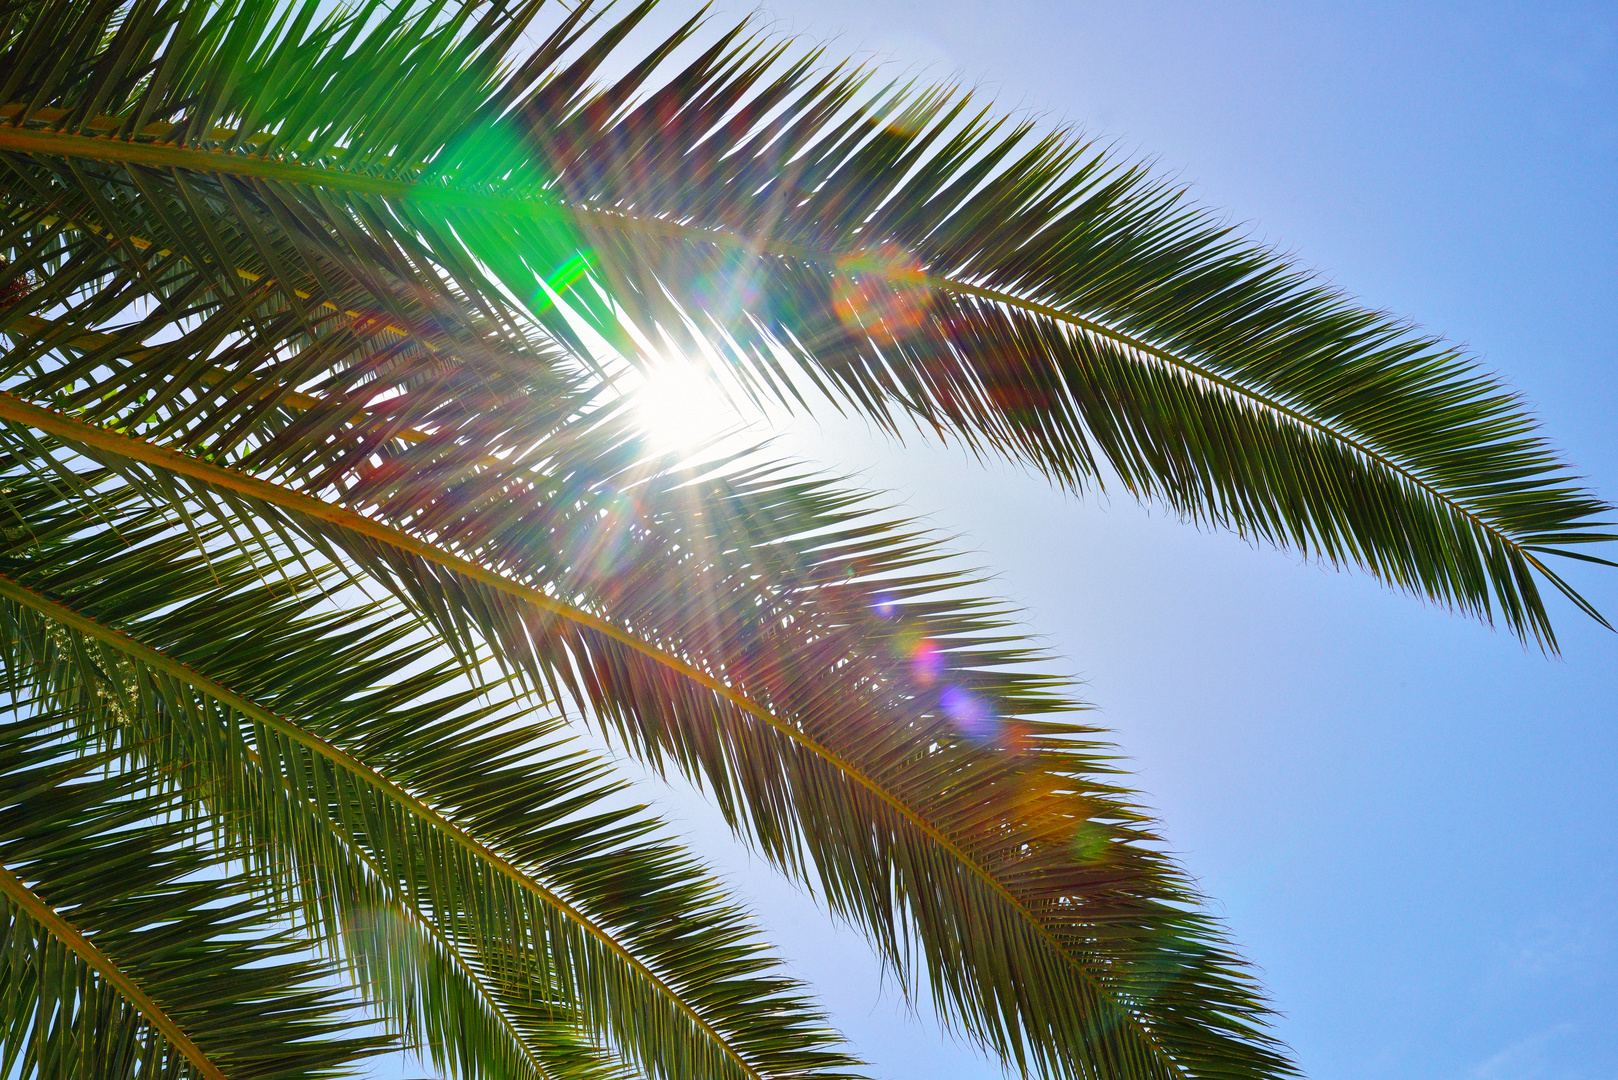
[1407, 820]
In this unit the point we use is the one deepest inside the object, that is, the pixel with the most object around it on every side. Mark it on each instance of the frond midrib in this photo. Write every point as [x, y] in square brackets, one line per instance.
[41, 912]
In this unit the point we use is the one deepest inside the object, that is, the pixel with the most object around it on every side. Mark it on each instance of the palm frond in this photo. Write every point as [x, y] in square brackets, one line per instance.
[127, 952]
[839, 734]
[1060, 1016]
[570, 918]
[911, 252]
[438, 994]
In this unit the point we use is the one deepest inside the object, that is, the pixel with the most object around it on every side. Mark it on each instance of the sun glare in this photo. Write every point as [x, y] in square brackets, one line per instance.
[681, 407]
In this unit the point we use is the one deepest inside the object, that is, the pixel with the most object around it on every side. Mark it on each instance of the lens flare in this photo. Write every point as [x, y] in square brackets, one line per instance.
[605, 541]
[882, 293]
[971, 715]
[727, 289]
[926, 661]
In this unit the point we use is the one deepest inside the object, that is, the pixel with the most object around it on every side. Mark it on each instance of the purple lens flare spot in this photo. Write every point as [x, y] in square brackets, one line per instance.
[970, 713]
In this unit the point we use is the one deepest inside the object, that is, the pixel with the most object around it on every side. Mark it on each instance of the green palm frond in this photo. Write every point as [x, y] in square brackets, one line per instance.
[392, 791]
[301, 302]
[128, 951]
[840, 734]
[910, 252]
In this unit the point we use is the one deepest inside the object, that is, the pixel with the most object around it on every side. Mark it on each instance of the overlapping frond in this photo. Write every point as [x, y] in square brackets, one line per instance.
[854, 718]
[917, 255]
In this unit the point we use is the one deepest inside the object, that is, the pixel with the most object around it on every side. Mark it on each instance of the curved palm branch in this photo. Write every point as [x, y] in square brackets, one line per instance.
[1104, 933]
[1025, 295]
[384, 790]
[128, 951]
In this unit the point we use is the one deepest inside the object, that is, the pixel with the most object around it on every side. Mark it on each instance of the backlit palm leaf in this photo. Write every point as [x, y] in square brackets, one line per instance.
[377, 788]
[125, 950]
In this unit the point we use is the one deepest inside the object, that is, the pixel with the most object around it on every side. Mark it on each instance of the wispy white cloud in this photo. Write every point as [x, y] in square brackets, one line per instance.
[1525, 1059]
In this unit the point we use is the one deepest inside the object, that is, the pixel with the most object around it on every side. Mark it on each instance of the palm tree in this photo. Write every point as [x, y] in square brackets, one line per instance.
[325, 514]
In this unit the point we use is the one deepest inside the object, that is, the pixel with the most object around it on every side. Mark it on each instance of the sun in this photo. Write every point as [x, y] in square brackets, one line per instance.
[682, 407]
